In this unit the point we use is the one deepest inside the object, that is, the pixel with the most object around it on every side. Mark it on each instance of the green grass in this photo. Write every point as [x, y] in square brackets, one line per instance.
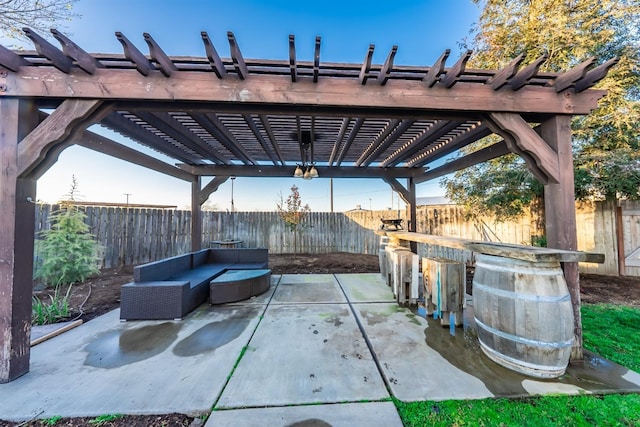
[610, 410]
[103, 419]
[52, 420]
[610, 331]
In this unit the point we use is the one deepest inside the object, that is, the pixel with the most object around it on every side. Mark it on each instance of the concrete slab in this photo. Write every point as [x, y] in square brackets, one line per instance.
[413, 369]
[338, 415]
[308, 289]
[365, 287]
[307, 351]
[140, 367]
[421, 360]
[304, 354]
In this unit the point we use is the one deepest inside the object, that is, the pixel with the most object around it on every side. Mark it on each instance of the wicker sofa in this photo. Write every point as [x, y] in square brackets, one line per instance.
[171, 288]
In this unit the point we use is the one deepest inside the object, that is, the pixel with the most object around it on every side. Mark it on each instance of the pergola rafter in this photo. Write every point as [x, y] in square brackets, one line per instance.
[235, 116]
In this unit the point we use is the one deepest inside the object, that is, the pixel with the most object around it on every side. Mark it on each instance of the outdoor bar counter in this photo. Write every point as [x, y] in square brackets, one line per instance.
[522, 307]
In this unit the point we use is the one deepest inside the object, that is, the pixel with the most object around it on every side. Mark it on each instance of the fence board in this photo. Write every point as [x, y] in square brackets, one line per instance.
[138, 235]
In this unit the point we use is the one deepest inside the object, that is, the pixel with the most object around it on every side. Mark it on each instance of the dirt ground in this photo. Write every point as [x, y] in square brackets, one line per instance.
[101, 294]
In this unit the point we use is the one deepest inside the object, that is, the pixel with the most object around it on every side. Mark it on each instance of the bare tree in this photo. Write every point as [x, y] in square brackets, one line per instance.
[39, 15]
[293, 213]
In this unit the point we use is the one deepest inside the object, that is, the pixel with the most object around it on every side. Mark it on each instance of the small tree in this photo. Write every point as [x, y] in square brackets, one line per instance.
[68, 251]
[293, 213]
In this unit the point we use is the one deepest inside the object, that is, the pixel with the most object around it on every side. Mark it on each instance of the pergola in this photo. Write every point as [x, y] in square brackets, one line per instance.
[235, 116]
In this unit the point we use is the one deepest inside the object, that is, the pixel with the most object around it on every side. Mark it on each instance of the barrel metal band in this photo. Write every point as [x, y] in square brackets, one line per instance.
[522, 340]
[519, 296]
[537, 270]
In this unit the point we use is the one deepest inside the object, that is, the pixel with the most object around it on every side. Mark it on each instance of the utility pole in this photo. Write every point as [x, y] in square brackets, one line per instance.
[233, 178]
[127, 194]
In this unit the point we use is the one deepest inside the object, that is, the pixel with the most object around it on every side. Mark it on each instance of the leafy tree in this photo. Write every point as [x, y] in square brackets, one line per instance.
[606, 153]
[68, 251]
[293, 213]
[39, 15]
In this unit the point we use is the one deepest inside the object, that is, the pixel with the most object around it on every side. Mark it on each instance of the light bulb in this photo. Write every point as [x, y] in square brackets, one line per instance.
[298, 172]
[313, 172]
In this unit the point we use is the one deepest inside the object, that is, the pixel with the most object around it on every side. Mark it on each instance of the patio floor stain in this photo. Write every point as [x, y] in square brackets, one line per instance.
[215, 334]
[117, 348]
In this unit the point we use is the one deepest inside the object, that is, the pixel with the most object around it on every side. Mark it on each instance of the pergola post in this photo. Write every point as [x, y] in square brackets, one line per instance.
[412, 220]
[409, 196]
[560, 214]
[16, 241]
[196, 214]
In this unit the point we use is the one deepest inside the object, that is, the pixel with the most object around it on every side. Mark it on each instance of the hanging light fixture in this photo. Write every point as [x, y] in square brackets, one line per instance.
[306, 169]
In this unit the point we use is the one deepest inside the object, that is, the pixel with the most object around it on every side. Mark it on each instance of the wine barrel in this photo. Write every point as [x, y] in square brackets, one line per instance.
[523, 314]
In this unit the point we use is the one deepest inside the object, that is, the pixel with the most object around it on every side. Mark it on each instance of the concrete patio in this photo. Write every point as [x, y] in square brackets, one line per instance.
[314, 348]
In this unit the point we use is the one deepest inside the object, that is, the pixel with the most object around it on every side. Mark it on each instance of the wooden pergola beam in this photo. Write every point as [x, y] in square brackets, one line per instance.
[256, 132]
[212, 55]
[366, 65]
[338, 144]
[488, 153]
[54, 129]
[385, 71]
[84, 60]
[352, 135]
[521, 139]
[287, 171]
[168, 125]
[103, 145]
[278, 91]
[211, 187]
[272, 138]
[433, 75]
[120, 124]
[475, 133]
[387, 141]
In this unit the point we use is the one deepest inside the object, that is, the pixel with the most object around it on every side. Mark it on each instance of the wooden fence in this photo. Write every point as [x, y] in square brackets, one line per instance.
[138, 235]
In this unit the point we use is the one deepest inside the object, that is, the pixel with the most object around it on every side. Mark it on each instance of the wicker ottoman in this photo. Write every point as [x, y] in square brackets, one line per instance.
[238, 285]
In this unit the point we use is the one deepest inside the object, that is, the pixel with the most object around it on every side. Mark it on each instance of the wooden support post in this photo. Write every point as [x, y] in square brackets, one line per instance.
[413, 212]
[16, 241]
[196, 215]
[560, 213]
[409, 197]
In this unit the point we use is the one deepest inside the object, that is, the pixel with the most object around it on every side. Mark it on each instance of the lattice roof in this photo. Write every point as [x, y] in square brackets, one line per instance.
[216, 115]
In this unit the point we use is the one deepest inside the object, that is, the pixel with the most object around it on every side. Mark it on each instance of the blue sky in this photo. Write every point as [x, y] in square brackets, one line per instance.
[421, 29]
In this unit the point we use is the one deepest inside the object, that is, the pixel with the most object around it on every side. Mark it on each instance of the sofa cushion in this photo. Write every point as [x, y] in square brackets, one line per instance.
[202, 274]
[163, 269]
[199, 258]
[226, 256]
[257, 255]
